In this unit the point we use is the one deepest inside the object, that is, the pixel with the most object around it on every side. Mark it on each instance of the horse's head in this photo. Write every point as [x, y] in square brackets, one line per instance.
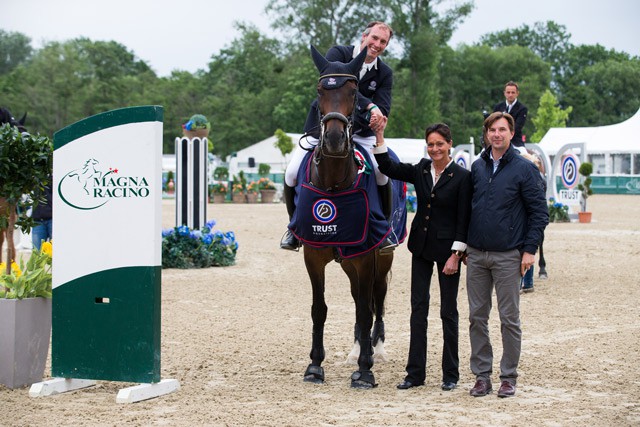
[7, 117]
[337, 91]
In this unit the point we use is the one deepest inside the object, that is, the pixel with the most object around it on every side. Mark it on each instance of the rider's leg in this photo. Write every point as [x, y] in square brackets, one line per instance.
[384, 189]
[289, 241]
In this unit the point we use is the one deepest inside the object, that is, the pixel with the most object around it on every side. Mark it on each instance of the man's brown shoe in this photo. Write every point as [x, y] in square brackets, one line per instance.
[481, 388]
[506, 389]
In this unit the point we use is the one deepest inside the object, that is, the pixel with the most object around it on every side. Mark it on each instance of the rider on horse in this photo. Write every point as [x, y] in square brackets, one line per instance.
[373, 102]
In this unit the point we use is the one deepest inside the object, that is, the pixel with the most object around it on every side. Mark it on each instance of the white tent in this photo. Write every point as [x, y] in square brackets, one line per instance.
[613, 149]
[408, 150]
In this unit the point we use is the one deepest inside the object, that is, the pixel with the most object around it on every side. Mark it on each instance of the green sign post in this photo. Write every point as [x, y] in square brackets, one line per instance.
[107, 262]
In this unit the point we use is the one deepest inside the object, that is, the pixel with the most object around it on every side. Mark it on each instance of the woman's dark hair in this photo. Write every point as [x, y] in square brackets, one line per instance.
[441, 128]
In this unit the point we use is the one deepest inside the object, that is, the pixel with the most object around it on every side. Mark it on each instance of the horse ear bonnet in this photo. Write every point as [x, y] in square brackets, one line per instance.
[327, 67]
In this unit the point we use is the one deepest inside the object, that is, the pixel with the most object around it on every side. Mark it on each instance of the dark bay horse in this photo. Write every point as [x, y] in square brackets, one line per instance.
[333, 169]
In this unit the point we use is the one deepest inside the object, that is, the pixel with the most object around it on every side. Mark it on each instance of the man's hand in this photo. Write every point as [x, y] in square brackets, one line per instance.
[527, 261]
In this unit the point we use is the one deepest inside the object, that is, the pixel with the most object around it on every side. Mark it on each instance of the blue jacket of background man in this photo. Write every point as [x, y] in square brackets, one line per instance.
[374, 87]
[508, 208]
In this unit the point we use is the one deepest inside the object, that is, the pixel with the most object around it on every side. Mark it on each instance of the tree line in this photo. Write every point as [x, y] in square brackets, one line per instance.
[258, 84]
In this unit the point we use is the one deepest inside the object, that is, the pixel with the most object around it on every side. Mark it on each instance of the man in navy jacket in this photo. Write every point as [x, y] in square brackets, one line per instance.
[516, 109]
[508, 216]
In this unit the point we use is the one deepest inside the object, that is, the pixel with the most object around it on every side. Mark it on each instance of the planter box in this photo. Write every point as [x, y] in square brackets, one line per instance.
[584, 217]
[218, 198]
[252, 197]
[25, 332]
[238, 198]
[267, 196]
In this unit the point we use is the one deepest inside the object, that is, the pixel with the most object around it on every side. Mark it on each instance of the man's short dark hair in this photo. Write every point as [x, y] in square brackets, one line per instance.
[494, 117]
[512, 83]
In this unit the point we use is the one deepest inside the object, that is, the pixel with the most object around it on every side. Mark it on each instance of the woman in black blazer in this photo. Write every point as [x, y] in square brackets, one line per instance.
[438, 235]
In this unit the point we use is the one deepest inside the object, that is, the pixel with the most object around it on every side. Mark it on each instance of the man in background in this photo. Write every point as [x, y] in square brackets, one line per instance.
[515, 109]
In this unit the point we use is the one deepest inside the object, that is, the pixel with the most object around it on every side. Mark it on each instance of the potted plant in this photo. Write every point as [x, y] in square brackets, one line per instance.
[197, 126]
[558, 212]
[586, 169]
[200, 248]
[218, 192]
[267, 190]
[221, 173]
[25, 291]
[264, 169]
[238, 193]
[252, 192]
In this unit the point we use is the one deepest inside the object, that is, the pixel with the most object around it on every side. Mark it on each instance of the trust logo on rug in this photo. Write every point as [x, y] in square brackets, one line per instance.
[324, 211]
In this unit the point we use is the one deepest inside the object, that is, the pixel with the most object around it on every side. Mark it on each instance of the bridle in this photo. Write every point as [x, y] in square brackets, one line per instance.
[334, 115]
[320, 153]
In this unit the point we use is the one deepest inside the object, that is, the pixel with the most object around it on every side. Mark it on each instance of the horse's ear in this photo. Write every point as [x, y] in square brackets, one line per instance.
[318, 59]
[356, 63]
[23, 119]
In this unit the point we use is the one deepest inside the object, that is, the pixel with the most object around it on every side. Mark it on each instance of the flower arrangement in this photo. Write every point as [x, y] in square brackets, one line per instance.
[237, 189]
[266, 184]
[197, 121]
[185, 248]
[30, 281]
[219, 189]
[558, 212]
[252, 188]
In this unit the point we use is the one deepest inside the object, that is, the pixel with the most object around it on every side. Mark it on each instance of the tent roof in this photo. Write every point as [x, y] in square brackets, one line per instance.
[408, 150]
[621, 137]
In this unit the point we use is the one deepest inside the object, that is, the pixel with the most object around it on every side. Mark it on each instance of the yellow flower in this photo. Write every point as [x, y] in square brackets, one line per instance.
[47, 248]
[14, 267]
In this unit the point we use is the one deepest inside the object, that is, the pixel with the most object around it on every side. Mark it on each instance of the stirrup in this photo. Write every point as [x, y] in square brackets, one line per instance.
[387, 247]
[289, 242]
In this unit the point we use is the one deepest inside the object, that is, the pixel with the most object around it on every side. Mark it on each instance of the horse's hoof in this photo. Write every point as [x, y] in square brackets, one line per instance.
[314, 374]
[363, 380]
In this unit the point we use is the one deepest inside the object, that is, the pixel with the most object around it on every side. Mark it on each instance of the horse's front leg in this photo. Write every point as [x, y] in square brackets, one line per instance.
[315, 261]
[380, 286]
[361, 277]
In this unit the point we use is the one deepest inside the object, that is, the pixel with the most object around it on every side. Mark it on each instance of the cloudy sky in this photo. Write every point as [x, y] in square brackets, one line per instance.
[183, 35]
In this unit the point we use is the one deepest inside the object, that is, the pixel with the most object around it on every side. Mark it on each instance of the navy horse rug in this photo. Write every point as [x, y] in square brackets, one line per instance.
[350, 220]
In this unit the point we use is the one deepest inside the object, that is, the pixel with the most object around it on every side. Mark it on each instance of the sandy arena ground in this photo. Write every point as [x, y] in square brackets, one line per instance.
[238, 339]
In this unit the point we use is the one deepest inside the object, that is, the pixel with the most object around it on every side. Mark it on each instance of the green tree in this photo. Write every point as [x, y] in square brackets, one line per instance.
[65, 82]
[604, 93]
[299, 80]
[243, 85]
[473, 79]
[422, 33]
[548, 40]
[323, 23]
[549, 115]
[283, 142]
[15, 49]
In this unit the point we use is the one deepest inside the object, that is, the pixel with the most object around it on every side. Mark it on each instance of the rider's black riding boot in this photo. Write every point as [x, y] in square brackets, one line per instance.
[289, 241]
[386, 197]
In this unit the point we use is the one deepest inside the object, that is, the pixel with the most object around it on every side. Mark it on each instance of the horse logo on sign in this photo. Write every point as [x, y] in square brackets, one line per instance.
[570, 171]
